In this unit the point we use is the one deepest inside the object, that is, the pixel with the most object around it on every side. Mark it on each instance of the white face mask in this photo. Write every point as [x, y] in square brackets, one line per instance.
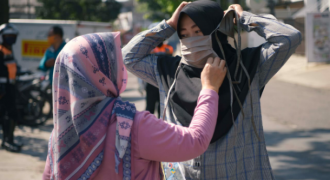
[195, 50]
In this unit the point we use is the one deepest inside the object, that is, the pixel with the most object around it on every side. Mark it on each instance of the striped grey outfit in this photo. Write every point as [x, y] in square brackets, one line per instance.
[243, 157]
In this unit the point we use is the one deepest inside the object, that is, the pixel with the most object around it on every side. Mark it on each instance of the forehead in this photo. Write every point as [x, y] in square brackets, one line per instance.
[51, 32]
[185, 21]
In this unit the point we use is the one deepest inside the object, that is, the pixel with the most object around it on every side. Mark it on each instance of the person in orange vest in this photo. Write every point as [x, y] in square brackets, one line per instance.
[163, 49]
[8, 69]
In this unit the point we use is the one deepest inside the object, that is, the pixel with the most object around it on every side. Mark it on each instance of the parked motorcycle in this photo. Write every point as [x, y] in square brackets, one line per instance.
[34, 101]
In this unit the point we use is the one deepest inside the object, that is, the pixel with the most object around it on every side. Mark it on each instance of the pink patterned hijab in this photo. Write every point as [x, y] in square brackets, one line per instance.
[89, 77]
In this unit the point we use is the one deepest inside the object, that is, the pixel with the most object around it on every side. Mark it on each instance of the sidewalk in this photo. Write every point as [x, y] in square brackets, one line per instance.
[30, 163]
[298, 71]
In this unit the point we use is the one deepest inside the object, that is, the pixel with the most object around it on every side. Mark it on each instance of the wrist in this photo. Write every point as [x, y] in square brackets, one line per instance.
[171, 23]
[240, 13]
[211, 88]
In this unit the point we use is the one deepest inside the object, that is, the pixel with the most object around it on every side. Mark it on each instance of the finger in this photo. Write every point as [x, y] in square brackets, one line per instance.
[178, 9]
[209, 61]
[222, 64]
[184, 3]
[225, 69]
[216, 61]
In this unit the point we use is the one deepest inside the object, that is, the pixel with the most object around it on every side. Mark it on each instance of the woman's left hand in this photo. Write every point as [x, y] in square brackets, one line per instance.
[239, 10]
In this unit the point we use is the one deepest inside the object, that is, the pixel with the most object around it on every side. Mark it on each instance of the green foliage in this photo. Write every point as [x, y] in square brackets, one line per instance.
[157, 10]
[85, 10]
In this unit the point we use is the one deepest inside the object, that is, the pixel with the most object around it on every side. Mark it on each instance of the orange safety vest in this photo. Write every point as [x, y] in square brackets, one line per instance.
[166, 49]
[11, 65]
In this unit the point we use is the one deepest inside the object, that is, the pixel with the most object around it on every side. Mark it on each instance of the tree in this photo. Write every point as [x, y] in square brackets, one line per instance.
[87, 10]
[157, 10]
[4, 11]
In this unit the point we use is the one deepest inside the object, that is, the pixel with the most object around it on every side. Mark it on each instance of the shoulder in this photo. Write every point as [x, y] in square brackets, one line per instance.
[62, 45]
[138, 115]
[146, 120]
[49, 50]
[143, 116]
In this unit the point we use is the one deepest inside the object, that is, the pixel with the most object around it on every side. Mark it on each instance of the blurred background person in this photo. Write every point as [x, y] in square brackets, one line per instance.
[163, 49]
[55, 39]
[8, 70]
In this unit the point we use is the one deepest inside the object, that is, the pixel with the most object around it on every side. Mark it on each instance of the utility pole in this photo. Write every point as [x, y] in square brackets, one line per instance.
[4, 11]
[318, 5]
[271, 6]
[29, 7]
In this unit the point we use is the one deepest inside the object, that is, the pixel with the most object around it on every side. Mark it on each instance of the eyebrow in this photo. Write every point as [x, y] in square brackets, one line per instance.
[182, 29]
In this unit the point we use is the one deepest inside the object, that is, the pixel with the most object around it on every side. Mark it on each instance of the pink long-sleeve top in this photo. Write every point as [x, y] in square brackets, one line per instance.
[154, 140]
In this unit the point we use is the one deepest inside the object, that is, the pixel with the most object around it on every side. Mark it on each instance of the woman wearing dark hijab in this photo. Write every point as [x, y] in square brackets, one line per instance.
[236, 151]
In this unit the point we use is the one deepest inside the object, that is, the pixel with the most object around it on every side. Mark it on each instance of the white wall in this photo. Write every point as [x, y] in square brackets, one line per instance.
[36, 32]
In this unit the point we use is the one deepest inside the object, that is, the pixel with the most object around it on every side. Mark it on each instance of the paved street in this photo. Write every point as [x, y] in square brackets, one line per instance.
[295, 107]
[296, 117]
[297, 131]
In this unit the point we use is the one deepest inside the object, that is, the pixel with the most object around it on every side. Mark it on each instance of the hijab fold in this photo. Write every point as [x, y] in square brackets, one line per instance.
[89, 77]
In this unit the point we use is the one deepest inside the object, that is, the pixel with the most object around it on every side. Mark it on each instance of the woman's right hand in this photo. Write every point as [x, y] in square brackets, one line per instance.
[213, 73]
[173, 21]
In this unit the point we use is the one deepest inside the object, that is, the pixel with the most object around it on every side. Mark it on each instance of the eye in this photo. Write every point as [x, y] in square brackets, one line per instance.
[183, 35]
[198, 31]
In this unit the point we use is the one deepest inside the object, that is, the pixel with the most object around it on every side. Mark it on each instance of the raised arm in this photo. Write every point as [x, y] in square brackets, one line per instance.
[136, 53]
[160, 141]
[282, 40]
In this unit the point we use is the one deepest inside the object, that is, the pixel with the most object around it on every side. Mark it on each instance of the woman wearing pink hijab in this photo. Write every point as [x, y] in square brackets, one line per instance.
[98, 136]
